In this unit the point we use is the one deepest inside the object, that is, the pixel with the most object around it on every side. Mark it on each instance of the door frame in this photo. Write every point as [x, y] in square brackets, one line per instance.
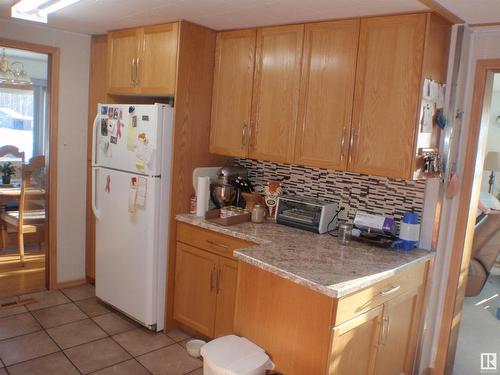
[465, 220]
[51, 197]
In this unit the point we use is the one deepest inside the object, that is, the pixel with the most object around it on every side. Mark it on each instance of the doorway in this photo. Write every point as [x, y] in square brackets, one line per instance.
[468, 341]
[28, 97]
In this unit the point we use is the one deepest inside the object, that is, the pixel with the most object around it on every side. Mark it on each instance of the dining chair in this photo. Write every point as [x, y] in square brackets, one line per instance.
[29, 218]
[10, 150]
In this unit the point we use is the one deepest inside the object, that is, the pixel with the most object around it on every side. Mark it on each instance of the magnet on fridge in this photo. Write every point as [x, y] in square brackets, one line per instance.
[104, 127]
[110, 112]
[107, 189]
[142, 137]
[134, 121]
[113, 140]
[145, 118]
[111, 126]
[115, 113]
[132, 195]
[104, 110]
[131, 109]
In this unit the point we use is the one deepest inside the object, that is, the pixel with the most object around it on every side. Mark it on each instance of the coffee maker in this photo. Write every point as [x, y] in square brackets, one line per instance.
[230, 183]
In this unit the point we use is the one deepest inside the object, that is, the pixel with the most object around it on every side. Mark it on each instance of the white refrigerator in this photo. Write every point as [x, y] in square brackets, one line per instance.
[131, 163]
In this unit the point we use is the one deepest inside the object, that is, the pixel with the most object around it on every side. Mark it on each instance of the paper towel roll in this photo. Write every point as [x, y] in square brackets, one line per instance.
[203, 196]
[409, 232]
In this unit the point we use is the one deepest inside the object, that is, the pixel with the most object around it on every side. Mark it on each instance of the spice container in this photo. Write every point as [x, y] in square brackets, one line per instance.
[258, 214]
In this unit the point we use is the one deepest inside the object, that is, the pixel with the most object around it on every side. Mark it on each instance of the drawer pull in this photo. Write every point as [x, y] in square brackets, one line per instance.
[390, 291]
[218, 244]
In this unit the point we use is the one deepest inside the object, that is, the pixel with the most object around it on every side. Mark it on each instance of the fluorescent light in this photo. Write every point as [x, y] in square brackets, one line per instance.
[37, 10]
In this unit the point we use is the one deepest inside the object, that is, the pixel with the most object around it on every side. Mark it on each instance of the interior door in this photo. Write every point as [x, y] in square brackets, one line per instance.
[125, 244]
[195, 288]
[388, 82]
[326, 93]
[157, 66]
[123, 50]
[354, 344]
[232, 92]
[400, 324]
[276, 92]
[226, 296]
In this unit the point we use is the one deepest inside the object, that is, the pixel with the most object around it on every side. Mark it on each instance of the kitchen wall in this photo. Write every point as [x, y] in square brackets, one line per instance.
[72, 138]
[372, 194]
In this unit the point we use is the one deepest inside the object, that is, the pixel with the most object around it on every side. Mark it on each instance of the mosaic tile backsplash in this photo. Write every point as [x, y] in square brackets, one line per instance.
[377, 195]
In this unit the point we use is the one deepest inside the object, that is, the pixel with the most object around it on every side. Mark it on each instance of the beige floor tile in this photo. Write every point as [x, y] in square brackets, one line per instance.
[178, 335]
[113, 323]
[59, 315]
[92, 307]
[26, 347]
[52, 364]
[12, 310]
[96, 355]
[172, 360]
[140, 341]
[16, 325]
[80, 292]
[45, 299]
[76, 333]
[131, 367]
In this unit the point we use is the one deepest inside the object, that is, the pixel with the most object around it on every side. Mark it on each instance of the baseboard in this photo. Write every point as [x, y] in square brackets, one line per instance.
[71, 283]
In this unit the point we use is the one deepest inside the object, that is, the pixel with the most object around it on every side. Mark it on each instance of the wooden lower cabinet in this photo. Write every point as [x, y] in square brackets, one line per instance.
[354, 344]
[205, 280]
[306, 332]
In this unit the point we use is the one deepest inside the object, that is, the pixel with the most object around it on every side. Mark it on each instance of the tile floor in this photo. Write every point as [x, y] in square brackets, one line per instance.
[70, 332]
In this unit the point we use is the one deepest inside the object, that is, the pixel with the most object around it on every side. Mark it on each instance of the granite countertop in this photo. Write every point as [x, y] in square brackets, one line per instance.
[313, 260]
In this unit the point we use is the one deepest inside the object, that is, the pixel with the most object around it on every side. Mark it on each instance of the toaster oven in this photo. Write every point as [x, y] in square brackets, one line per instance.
[310, 214]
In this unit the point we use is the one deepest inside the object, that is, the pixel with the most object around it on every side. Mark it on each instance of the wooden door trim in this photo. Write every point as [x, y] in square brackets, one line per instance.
[53, 87]
[464, 223]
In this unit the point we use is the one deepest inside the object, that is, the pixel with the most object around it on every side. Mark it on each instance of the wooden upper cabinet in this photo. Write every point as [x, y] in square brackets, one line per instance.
[232, 92]
[123, 49]
[143, 61]
[388, 88]
[276, 92]
[158, 64]
[326, 93]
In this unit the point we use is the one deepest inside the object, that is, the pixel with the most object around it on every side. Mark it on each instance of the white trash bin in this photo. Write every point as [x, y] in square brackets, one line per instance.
[234, 355]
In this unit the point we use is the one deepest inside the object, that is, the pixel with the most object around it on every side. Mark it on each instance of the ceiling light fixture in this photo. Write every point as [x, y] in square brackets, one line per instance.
[13, 73]
[37, 10]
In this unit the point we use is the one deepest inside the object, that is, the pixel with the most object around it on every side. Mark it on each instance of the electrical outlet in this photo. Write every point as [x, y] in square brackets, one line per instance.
[347, 212]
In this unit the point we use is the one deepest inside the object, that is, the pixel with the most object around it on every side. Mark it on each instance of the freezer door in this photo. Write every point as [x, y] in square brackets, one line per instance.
[127, 249]
[129, 137]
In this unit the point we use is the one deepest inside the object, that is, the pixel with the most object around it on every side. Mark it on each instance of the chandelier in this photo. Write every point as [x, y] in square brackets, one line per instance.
[14, 72]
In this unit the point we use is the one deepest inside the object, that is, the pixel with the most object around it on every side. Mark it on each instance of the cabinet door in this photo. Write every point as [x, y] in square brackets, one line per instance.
[354, 344]
[226, 296]
[276, 92]
[123, 51]
[399, 336]
[195, 288]
[157, 64]
[388, 83]
[232, 92]
[326, 93]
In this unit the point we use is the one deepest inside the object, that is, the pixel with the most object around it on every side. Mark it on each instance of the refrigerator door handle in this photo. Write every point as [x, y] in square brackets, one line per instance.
[94, 139]
[96, 212]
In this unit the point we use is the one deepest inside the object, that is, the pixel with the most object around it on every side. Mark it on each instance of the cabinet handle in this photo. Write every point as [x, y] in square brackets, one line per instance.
[351, 143]
[224, 246]
[243, 133]
[385, 331]
[212, 281]
[342, 143]
[389, 291]
[137, 63]
[132, 70]
[219, 277]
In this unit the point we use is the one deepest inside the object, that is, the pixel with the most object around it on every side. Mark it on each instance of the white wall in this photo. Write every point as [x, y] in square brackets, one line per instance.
[72, 138]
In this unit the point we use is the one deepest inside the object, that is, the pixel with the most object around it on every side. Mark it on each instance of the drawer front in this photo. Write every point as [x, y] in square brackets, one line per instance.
[383, 291]
[208, 240]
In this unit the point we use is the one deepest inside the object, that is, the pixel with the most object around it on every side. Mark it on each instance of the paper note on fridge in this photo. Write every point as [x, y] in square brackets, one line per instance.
[132, 133]
[142, 191]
